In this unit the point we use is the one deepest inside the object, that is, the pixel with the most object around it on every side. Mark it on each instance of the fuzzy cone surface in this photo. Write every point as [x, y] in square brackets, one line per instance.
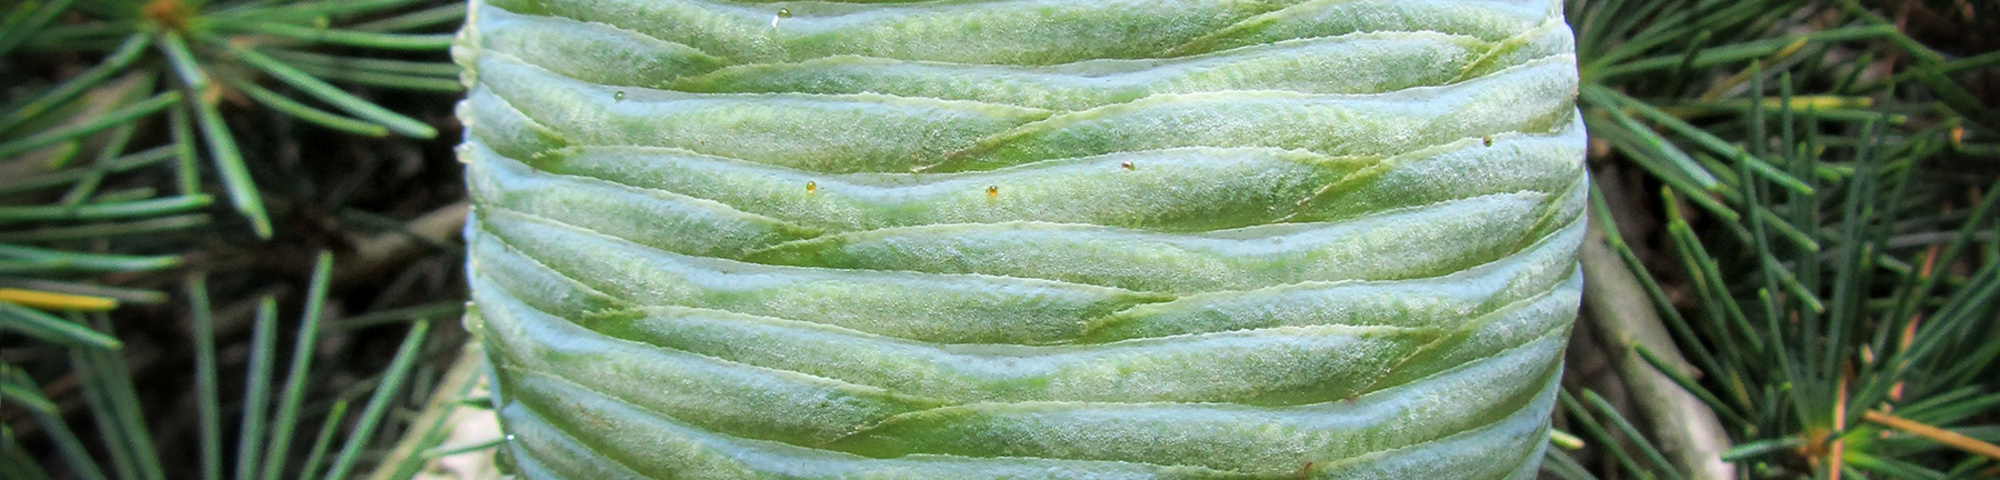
[962, 239]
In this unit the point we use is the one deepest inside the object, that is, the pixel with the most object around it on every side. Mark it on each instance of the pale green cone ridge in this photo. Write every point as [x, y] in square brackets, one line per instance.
[1023, 239]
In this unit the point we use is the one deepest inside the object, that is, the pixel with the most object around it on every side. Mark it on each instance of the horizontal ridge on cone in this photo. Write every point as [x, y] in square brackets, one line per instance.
[1124, 239]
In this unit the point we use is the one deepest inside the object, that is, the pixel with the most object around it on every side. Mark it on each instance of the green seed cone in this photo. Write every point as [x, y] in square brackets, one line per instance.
[1023, 238]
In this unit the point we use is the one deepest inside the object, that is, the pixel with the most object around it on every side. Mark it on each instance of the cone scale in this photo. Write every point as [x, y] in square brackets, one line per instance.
[1023, 239]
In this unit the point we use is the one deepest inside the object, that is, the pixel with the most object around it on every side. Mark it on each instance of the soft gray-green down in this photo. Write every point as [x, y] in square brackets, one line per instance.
[1024, 239]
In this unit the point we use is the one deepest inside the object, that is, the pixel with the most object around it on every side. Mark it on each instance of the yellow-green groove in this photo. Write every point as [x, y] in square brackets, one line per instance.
[1023, 238]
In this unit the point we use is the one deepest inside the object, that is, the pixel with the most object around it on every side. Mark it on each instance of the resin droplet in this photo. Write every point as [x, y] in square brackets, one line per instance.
[1127, 165]
[992, 191]
[784, 13]
[618, 96]
[812, 186]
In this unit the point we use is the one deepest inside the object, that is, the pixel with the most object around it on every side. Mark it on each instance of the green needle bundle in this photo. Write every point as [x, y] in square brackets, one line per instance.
[959, 239]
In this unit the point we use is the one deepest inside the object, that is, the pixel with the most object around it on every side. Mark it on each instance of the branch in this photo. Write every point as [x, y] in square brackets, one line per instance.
[1687, 431]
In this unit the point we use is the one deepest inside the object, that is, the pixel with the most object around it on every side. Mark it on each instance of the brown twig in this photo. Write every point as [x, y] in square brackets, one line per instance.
[1939, 435]
[382, 251]
[1837, 456]
[431, 428]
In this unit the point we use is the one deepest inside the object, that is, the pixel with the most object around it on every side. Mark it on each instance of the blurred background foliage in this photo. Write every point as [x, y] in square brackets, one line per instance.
[1804, 190]
[198, 195]
[141, 334]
